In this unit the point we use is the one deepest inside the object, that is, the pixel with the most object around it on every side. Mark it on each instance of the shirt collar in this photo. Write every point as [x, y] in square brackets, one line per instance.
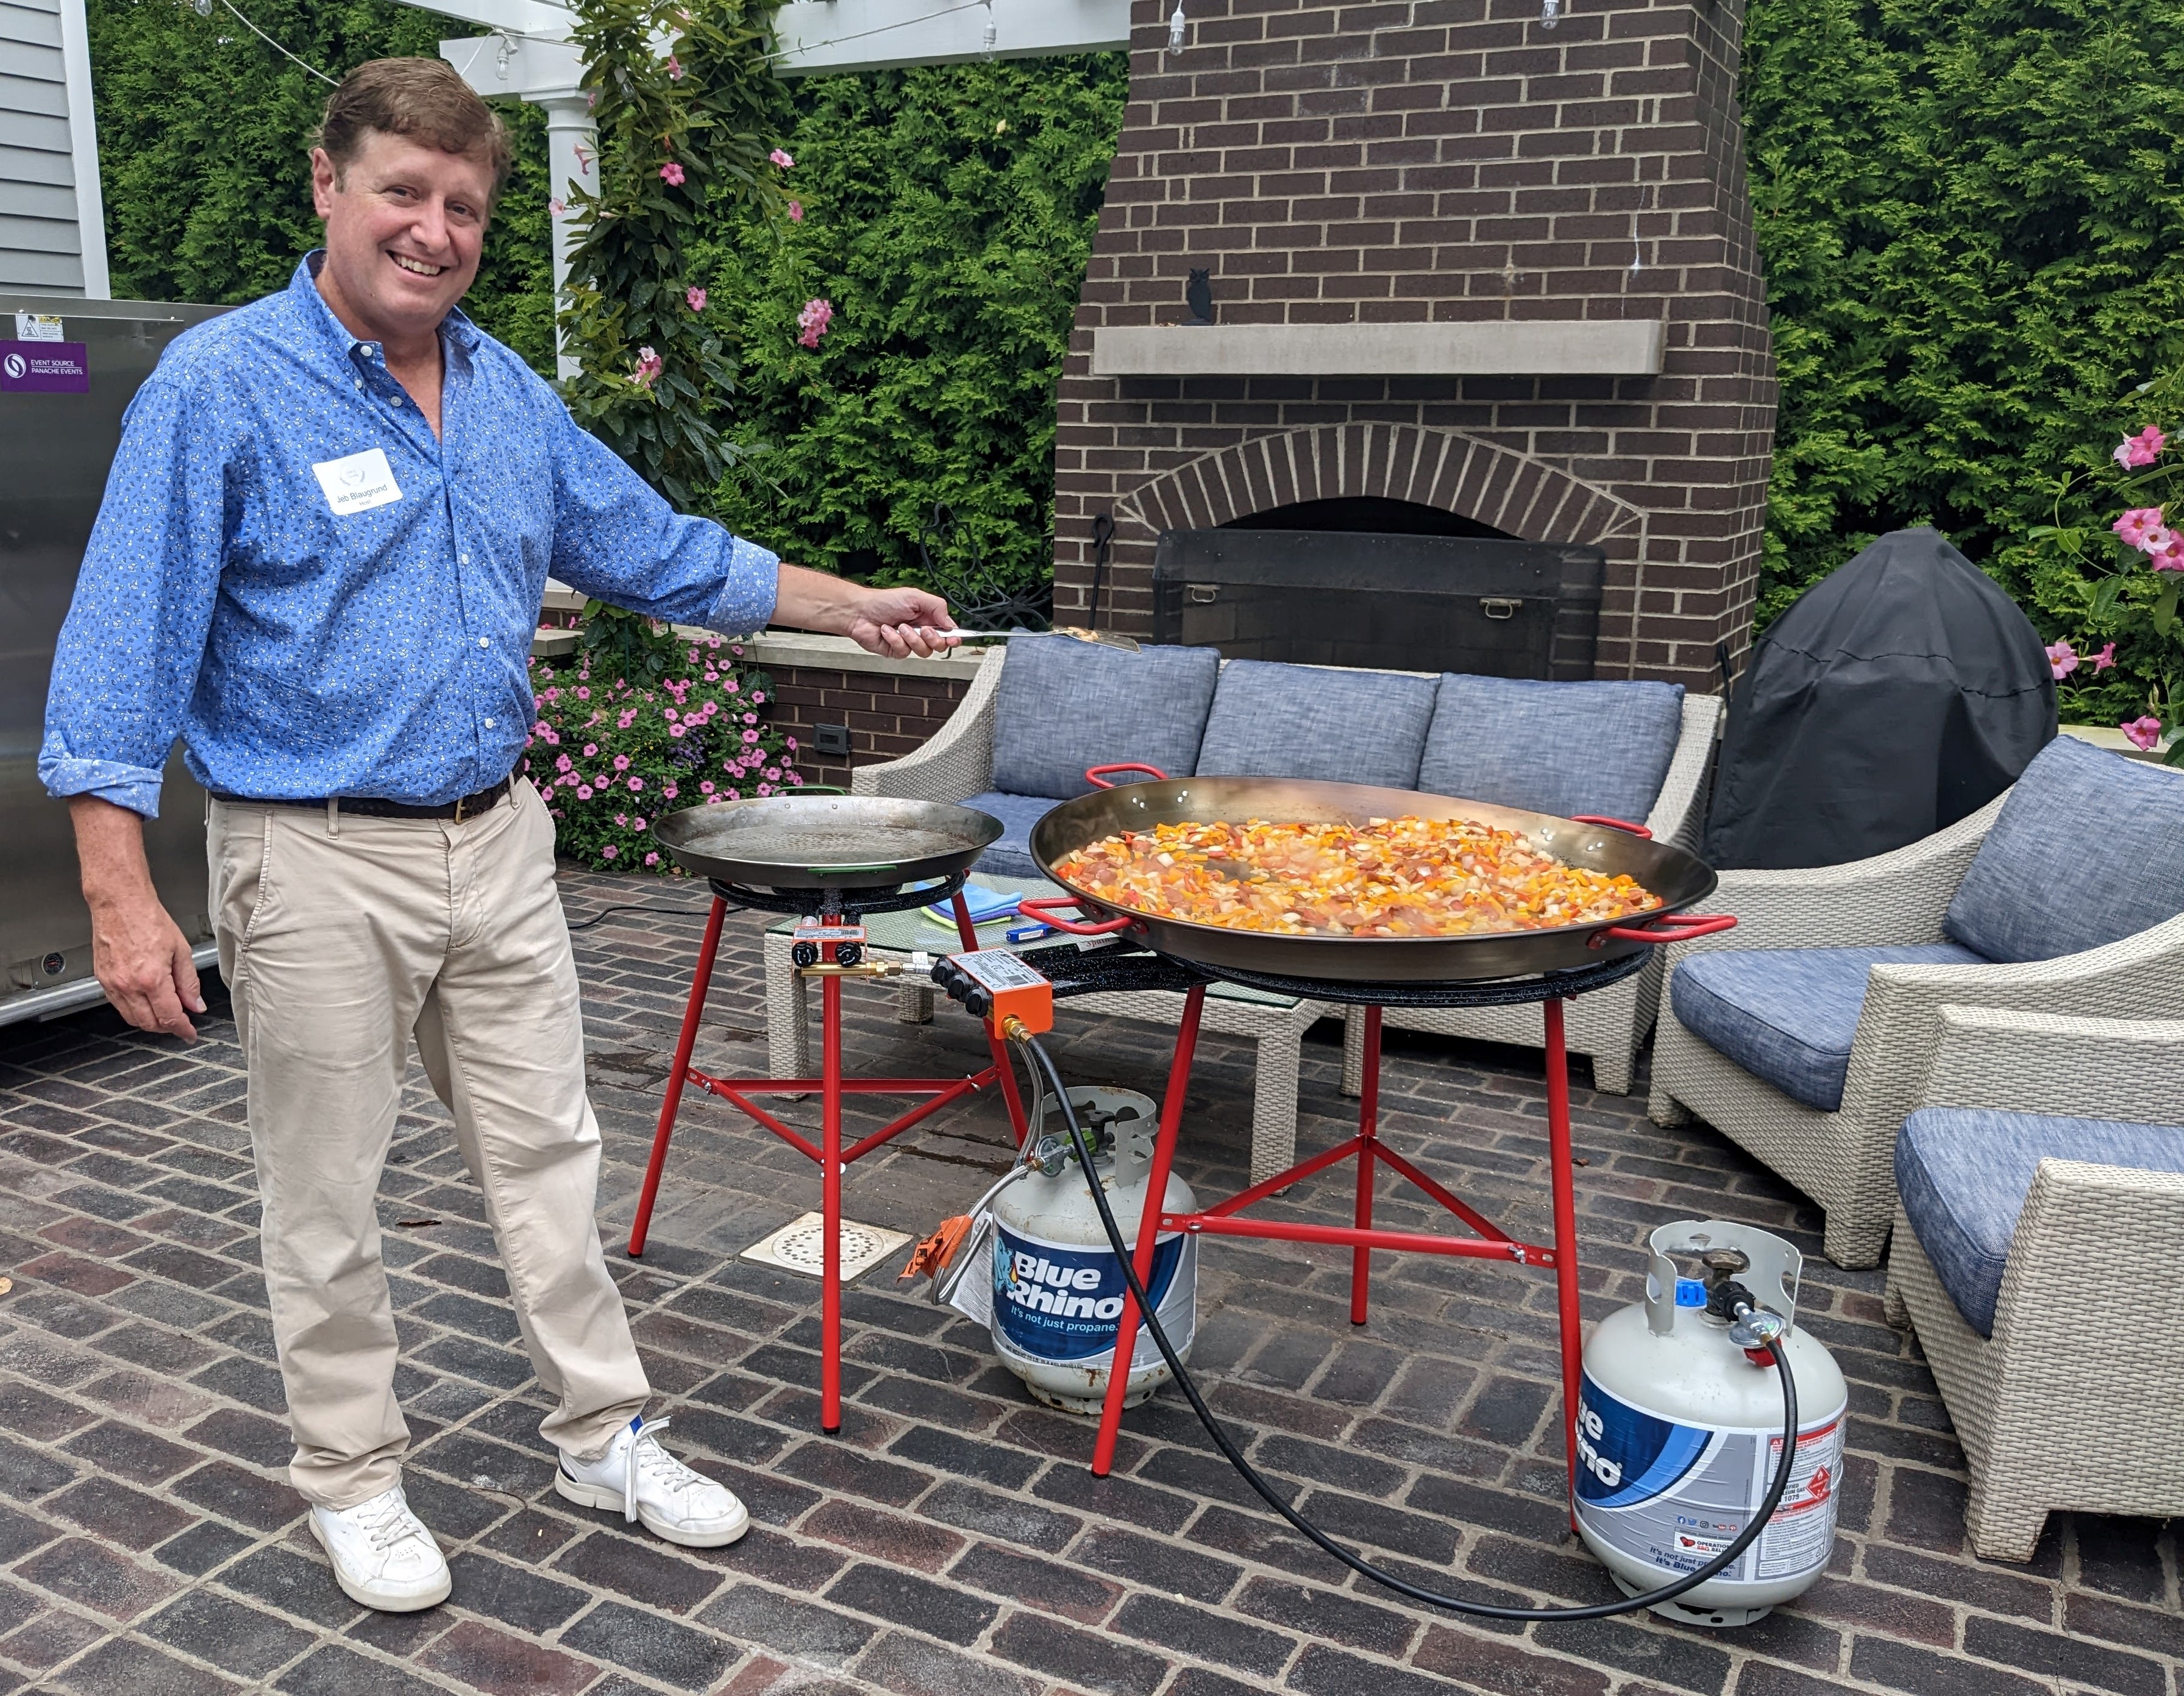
[455, 329]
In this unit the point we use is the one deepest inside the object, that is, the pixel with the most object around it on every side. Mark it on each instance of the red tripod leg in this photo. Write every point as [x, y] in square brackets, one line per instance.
[1570, 1318]
[830, 1203]
[1368, 1125]
[1126, 1330]
[700, 982]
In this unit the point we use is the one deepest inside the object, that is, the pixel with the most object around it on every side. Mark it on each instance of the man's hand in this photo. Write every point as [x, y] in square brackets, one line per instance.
[139, 954]
[895, 622]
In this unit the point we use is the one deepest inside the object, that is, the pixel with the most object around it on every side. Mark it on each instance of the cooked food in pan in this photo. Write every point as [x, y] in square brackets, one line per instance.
[1388, 877]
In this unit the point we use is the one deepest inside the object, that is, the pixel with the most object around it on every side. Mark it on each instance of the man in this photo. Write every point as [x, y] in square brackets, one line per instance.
[320, 561]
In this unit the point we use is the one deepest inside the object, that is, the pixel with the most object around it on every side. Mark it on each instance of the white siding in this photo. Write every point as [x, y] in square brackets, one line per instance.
[48, 155]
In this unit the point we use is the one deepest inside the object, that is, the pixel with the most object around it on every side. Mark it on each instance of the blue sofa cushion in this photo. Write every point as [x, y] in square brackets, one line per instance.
[2084, 852]
[1788, 1014]
[1963, 1173]
[1275, 720]
[1010, 854]
[1563, 748]
[1065, 704]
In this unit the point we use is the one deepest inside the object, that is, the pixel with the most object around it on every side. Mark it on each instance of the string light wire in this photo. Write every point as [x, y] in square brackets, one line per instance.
[276, 46]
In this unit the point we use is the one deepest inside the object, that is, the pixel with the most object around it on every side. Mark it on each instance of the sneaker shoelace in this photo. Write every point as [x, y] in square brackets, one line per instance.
[645, 1458]
[393, 1523]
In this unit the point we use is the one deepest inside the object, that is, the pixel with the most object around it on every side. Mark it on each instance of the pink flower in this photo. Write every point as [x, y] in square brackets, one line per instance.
[583, 791]
[652, 859]
[2142, 450]
[637, 824]
[735, 794]
[2141, 528]
[583, 694]
[622, 762]
[2105, 659]
[649, 367]
[751, 718]
[2061, 660]
[563, 763]
[608, 852]
[2144, 732]
[2171, 557]
[623, 819]
[791, 742]
[591, 750]
[671, 173]
[706, 787]
[796, 212]
[764, 789]
[695, 297]
[751, 735]
[677, 729]
[556, 206]
[674, 69]
[795, 780]
[781, 158]
[635, 784]
[759, 695]
[670, 791]
[813, 320]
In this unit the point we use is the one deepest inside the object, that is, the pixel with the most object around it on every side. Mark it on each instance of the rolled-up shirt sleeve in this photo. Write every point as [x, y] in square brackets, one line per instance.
[618, 540]
[134, 639]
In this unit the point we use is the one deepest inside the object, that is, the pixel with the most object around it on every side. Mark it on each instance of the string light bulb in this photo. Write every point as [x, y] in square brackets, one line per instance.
[1176, 25]
[993, 32]
[1551, 13]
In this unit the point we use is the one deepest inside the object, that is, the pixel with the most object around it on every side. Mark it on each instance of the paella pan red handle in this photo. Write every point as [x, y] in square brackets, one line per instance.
[1673, 927]
[1096, 775]
[1613, 824]
[1042, 908]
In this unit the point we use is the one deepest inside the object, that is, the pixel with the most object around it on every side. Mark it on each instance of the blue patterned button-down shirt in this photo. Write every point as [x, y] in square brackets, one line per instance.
[310, 626]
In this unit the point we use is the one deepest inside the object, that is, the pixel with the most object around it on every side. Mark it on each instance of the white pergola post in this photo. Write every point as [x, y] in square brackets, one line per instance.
[529, 56]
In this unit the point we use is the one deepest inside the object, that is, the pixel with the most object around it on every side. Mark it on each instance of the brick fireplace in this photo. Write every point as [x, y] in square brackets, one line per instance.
[1457, 260]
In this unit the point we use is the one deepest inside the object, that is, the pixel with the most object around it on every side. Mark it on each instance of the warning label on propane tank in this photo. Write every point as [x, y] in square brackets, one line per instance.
[1675, 1495]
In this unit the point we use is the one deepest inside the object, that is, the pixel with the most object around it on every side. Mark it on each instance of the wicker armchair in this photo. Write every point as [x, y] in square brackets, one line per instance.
[2065, 1406]
[1610, 1024]
[1843, 1158]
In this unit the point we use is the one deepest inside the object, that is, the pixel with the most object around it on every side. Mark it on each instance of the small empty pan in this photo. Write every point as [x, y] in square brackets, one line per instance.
[825, 842]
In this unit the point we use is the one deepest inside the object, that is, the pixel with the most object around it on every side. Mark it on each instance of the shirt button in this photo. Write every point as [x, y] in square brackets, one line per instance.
[483, 643]
[359, 382]
[489, 724]
[394, 400]
[463, 559]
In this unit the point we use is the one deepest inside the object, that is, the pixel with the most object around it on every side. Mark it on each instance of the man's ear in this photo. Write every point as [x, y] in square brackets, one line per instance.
[326, 178]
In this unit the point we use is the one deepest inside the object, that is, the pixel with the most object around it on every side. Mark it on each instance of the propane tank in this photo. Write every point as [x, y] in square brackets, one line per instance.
[1680, 1428]
[1058, 1291]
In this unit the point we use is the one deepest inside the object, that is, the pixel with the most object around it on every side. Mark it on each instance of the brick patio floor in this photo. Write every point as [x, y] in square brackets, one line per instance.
[950, 1542]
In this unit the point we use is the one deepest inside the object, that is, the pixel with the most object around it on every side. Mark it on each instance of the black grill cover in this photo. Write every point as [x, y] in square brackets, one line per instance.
[1898, 694]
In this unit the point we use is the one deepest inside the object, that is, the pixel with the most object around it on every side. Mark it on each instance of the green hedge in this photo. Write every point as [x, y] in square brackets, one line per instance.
[1971, 214]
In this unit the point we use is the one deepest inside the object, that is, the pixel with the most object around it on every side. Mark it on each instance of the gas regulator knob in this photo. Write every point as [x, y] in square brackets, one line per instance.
[1754, 1327]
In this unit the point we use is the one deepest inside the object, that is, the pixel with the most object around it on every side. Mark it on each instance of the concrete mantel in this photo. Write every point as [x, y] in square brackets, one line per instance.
[1612, 348]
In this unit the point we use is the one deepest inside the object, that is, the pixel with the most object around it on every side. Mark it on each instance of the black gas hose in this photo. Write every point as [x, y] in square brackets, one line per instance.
[1598, 1610]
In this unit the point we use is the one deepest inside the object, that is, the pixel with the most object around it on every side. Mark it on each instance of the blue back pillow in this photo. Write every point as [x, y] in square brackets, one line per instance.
[1564, 748]
[1063, 705]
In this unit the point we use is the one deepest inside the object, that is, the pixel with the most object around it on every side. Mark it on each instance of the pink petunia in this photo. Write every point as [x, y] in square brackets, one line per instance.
[751, 735]
[637, 824]
[609, 852]
[583, 694]
[2142, 450]
[764, 789]
[751, 718]
[674, 69]
[781, 158]
[2062, 661]
[759, 695]
[652, 859]
[671, 173]
[635, 784]
[796, 212]
[811, 323]
[2141, 528]
[694, 298]
[622, 762]
[563, 763]
[623, 819]
[556, 206]
[791, 742]
[2144, 732]
[591, 750]
[705, 787]
[583, 791]
[2105, 659]
[735, 794]
[678, 729]
[671, 791]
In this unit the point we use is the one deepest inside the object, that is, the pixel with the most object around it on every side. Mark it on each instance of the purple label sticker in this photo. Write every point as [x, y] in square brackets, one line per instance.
[54, 367]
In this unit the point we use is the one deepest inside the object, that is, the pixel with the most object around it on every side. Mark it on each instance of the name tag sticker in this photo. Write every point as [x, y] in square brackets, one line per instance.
[358, 483]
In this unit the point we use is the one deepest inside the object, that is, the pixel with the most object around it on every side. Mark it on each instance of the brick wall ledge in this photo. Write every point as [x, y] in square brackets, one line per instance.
[774, 649]
[1621, 348]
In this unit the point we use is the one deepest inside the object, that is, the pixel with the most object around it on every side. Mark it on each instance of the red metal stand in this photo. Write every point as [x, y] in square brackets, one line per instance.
[833, 1158]
[1225, 1219]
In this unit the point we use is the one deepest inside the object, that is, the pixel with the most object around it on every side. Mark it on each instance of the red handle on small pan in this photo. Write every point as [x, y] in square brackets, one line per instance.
[1041, 908]
[1613, 824]
[1096, 775]
[1673, 927]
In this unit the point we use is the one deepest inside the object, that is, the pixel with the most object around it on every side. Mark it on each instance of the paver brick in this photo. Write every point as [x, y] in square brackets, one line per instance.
[787, 1625]
[230, 1635]
[479, 1658]
[118, 1665]
[91, 1576]
[656, 1647]
[519, 1596]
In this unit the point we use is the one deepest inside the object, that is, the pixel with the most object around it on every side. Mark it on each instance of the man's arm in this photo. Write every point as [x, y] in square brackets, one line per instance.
[895, 622]
[139, 954]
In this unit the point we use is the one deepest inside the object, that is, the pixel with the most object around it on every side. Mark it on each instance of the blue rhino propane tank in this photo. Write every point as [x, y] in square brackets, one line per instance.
[1058, 1292]
[1680, 1433]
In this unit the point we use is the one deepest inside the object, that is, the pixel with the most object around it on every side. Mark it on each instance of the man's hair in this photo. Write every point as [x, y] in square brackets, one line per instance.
[420, 99]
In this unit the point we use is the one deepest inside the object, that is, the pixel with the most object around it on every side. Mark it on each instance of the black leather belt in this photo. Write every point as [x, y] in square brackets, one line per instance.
[371, 807]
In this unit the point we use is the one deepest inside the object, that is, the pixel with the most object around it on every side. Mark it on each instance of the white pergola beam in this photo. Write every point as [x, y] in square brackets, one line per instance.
[820, 37]
[543, 18]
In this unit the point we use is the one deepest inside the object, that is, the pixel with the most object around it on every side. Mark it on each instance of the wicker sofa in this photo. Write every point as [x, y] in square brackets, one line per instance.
[2039, 1255]
[1819, 1014]
[1046, 708]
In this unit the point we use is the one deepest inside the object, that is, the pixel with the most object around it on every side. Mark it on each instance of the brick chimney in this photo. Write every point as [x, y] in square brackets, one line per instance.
[1458, 258]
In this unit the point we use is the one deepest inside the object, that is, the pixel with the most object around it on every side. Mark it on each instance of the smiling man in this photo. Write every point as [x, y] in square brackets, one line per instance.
[319, 563]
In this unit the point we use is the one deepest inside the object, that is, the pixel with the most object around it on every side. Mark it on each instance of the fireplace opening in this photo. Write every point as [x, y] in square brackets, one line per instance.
[1364, 580]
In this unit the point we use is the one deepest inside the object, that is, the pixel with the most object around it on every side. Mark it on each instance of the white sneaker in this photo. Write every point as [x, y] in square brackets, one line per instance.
[383, 1556]
[643, 1480]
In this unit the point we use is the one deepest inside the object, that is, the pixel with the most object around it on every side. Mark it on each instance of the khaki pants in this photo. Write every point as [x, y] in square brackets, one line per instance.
[341, 939]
